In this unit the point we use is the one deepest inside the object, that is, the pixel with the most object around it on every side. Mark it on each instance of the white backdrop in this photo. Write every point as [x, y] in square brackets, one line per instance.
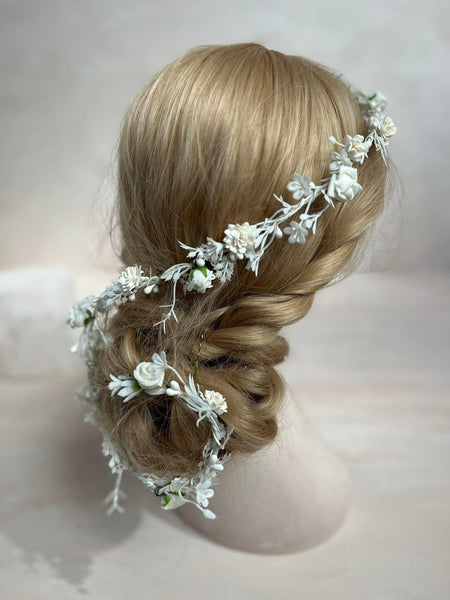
[69, 69]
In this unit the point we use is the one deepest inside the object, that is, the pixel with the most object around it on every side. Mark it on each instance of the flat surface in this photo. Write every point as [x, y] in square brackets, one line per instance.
[369, 365]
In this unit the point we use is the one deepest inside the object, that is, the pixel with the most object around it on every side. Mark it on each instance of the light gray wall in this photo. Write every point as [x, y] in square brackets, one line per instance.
[68, 70]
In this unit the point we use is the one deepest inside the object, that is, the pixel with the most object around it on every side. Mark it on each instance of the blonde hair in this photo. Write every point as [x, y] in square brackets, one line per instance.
[207, 142]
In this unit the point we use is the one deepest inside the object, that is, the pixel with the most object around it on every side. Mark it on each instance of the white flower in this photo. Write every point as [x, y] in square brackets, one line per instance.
[377, 102]
[297, 231]
[78, 315]
[211, 251]
[130, 278]
[150, 377]
[216, 401]
[300, 186]
[340, 159]
[356, 148]
[124, 387]
[203, 492]
[343, 185]
[240, 240]
[387, 127]
[200, 279]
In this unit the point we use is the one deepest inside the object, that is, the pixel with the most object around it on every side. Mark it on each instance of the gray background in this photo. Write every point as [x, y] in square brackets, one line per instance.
[368, 365]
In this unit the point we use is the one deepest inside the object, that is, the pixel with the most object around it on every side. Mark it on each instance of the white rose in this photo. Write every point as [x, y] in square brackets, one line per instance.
[343, 185]
[150, 377]
[216, 401]
[387, 127]
[200, 279]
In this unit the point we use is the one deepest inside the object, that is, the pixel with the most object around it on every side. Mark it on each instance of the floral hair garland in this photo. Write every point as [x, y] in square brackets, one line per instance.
[209, 261]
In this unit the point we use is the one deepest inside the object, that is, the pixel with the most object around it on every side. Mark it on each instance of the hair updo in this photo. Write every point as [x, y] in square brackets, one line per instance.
[207, 142]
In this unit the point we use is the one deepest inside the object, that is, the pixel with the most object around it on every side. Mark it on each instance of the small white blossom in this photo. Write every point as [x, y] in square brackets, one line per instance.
[150, 377]
[130, 278]
[387, 127]
[297, 231]
[240, 240]
[200, 279]
[216, 401]
[118, 383]
[300, 186]
[203, 492]
[78, 315]
[377, 102]
[340, 159]
[211, 251]
[356, 148]
[343, 185]
[124, 387]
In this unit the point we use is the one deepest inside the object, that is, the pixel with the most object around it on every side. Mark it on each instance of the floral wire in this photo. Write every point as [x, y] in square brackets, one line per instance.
[198, 353]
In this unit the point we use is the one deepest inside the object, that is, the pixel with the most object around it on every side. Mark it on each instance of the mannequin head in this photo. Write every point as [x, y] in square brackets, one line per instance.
[207, 142]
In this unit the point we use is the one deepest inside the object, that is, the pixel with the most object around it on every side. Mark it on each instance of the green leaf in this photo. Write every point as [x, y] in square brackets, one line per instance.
[89, 318]
[202, 269]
